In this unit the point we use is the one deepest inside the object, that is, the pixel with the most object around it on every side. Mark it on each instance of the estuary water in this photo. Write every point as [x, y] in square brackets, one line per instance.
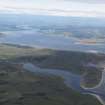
[37, 39]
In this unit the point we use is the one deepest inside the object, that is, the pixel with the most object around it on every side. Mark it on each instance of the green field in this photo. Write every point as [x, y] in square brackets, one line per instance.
[19, 87]
[46, 58]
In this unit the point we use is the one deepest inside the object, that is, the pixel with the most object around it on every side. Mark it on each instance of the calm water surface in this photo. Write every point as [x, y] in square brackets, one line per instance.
[37, 39]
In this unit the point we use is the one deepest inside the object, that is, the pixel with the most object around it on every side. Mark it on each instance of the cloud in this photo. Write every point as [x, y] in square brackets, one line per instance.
[89, 8]
[59, 12]
[87, 1]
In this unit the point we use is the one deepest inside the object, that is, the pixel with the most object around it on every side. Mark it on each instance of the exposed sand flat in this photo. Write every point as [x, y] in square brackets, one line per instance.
[91, 41]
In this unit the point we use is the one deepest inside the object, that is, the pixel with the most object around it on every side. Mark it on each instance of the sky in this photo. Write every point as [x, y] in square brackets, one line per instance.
[82, 8]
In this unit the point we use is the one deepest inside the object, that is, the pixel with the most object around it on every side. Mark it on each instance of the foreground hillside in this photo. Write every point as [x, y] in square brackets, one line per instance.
[18, 87]
[46, 58]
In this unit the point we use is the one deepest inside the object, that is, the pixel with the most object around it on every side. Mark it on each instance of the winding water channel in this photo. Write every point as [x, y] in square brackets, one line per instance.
[72, 80]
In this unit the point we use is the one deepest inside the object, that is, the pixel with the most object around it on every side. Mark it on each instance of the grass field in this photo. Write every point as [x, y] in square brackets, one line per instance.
[91, 77]
[46, 58]
[18, 87]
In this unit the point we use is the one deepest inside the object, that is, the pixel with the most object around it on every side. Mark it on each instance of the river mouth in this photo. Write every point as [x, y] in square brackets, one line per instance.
[22, 85]
[35, 39]
[71, 80]
[53, 46]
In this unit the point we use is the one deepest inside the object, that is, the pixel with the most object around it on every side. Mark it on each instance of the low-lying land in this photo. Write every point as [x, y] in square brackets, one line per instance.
[47, 58]
[91, 77]
[19, 87]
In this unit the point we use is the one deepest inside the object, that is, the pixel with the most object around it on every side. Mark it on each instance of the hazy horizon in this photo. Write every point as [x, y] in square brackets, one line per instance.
[76, 8]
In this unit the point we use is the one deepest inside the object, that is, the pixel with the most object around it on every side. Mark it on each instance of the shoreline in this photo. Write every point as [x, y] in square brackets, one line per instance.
[68, 79]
